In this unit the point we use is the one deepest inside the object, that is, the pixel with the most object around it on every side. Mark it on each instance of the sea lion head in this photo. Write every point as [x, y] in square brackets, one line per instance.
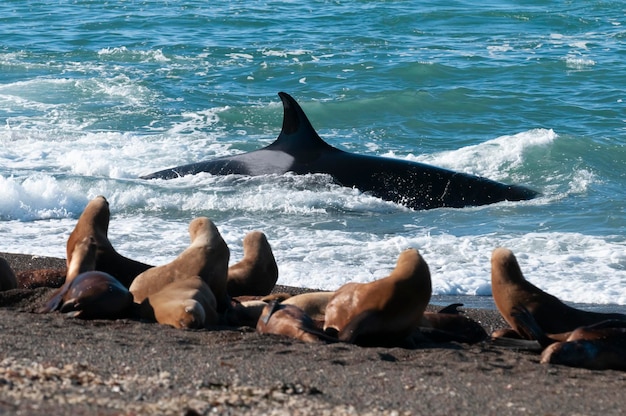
[93, 221]
[256, 274]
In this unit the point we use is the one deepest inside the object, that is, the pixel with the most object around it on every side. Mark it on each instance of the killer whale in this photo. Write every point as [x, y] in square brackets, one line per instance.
[299, 149]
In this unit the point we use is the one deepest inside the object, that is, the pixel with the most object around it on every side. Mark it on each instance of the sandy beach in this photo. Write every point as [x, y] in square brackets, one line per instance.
[51, 364]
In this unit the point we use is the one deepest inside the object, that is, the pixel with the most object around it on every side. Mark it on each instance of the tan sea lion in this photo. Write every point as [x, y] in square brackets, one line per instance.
[257, 272]
[94, 221]
[313, 304]
[246, 310]
[8, 280]
[510, 290]
[385, 310]
[288, 320]
[83, 258]
[207, 256]
[184, 303]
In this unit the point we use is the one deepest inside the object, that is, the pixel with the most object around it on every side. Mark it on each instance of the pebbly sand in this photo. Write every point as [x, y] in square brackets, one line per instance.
[51, 364]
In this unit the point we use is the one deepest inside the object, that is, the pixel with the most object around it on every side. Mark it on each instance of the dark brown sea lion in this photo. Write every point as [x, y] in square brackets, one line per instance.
[89, 294]
[599, 346]
[607, 353]
[94, 221]
[510, 290]
[92, 295]
[207, 256]
[289, 320]
[185, 303]
[383, 310]
[244, 313]
[8, 280]
[449, 324]
[257, 272]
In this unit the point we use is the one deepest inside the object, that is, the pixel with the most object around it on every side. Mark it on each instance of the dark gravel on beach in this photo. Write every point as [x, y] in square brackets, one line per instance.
[51, 364]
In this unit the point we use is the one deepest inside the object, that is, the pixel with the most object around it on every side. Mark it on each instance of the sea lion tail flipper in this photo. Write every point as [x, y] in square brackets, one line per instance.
[452, 309]
[321, 334]
[527, 323]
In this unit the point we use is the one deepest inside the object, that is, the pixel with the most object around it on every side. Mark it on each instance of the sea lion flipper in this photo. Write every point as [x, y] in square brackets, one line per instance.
[527, 323]
[452, 309]
[55, 300]
[70, 305]
[358, 326]
[268, 312]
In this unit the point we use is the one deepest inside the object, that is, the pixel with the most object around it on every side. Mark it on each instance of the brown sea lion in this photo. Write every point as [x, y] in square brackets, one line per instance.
[257, 272]
[94, 221]
[289, 320]
[207, 257]
[383, 311]
[8, 280]
[510, 289]
[184, 303]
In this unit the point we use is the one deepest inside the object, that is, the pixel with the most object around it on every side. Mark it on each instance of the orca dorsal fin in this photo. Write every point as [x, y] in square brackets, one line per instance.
[297, 134]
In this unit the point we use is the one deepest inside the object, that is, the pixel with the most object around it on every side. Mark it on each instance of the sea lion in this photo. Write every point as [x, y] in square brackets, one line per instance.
[449, 324]
[83, 258]
[510, 290]
[599, 346]
[246, 310]
[8, 280]
[207, 256]
[94, 221]
[86, 293]
[257, 272]
[92, 295]
[313, 304]
[184, 303]
[289, 320]
[244, 313]
[607, 353]
[385, 310]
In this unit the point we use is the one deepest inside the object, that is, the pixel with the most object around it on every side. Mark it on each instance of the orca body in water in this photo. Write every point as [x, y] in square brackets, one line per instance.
[300, 150]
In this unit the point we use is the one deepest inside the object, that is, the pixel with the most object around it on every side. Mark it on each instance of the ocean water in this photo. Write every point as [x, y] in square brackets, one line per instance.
[94, 94]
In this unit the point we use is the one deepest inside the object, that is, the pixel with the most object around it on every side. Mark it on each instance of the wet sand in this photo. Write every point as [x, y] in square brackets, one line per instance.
[51, 364]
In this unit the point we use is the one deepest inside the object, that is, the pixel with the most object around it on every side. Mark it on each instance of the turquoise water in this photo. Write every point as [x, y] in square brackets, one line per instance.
[94, 94]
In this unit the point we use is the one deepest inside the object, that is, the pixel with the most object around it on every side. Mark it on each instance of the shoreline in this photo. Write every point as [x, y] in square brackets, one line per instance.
[20, 262]
[51, 364]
